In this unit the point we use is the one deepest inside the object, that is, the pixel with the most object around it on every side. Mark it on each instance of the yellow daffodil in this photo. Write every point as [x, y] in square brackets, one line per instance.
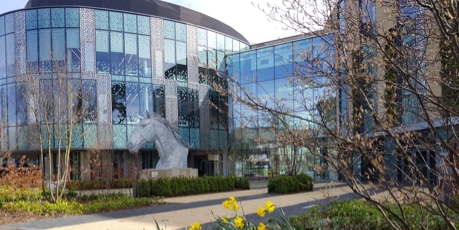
[261, 226]
[238, 222]
[261, 211]
[231, 204]
[196, 226]
[269, 206]
[225, 220]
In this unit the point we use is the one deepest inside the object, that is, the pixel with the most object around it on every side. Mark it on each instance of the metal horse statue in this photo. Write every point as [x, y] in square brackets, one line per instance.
[171, 148]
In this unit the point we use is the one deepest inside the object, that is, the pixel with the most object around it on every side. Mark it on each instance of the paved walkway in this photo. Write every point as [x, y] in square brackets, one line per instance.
[180, 212]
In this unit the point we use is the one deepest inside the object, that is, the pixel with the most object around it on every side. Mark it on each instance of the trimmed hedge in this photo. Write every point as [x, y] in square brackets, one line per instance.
[290, 184]
[179, 186]
[74, 185]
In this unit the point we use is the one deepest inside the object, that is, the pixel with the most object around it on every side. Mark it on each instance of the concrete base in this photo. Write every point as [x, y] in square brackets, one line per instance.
[156, 173]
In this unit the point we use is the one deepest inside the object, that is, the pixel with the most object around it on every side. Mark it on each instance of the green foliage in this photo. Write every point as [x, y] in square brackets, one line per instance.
[179, 186]
[290, 184]
[11, 194]
[360, 214]
[99, 184]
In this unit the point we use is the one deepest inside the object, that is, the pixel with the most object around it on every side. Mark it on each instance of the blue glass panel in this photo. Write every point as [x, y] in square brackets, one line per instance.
[73, 50]
[119, 136]
[44, 17]
[144, 56]
[194, 138]
[212, 39]
[220, 61]
[2, 25]
[45, 49]
[233, 67]
[202, 37]
[131, 58]
[130, 23]
[13, 143]
[72, 17]
[212, 58]
[214, 139]
[146, 99]
[118, 102]
[265, 64]
[32, 50]
[57, 17]
[228, 44]
[248, 67]
[283, 63]
[266, 93]
[101, 19]
[77, 137]
[130, 128]
[181, 53]
[90, 136]
[284, 93]
[102, 52]
[10, 56]
[169, 29]
[117, 53]
[202, 56]
[116, 21]
[220, 42]
[58, 38]
[44, 136]
[9, 23]
[169, 54]
[2, 57]
[180, 32]
[143, 25]
[22, 137]
[223, 139]
[12, 105]
[31, 19]
[22, 104]
[185, 134]
[132, 102]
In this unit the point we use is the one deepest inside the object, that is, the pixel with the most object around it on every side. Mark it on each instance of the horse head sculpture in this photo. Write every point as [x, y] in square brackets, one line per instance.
[155, 129]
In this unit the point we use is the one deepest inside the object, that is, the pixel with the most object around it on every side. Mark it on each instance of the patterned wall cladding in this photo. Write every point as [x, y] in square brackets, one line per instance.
[192, 54]
[90, 136]
[172, 110]
[204, 116]
[119, 136]
[194, 138]
[23, 139]
[105, 136]
[157, 46]
[19, 27]
[104, 83]
[103, 110]
[12, 141]
[185, 134]
[130, 128]
[20, 42]
[77, 137]
[88, 39]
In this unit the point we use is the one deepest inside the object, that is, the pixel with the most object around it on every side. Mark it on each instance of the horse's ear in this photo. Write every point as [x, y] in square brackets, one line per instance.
[148, 114]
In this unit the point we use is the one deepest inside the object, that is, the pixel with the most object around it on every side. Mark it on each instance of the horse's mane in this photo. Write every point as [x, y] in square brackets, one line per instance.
[173, 129]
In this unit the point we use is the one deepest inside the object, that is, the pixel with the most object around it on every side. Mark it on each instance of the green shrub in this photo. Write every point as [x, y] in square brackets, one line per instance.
[179, 186]
[290, 184]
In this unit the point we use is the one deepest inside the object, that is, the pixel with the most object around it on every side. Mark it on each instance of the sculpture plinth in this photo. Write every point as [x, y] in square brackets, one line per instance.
[158, 173]
[172, 150]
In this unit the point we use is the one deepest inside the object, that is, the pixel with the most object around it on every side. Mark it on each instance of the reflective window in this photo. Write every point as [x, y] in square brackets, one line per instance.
[144, 56]
[180, 32]
[131, 58]
[73, 50]
[212, 39]
[248, 66]
[89, 96]
[58, 38]
[44, 17]
[175, 62]
[118, 103]
[117, 53]
[102, 52]
[265, 64]
[9, 23]
[265, 92]
[31, 19]
[2, 57]
[58, 17]
[12, 106]
[10, 56]
[72, 17]
[116, 21]
[228, 44]
[283, 60]
[202, 37]
[143, 25]
[101, 19]
[169, 29]
[132, 102]
[130, 23]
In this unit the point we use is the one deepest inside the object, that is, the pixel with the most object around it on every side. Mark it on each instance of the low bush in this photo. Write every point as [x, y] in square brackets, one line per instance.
[75, 185]
[290, 184]
[179, 186]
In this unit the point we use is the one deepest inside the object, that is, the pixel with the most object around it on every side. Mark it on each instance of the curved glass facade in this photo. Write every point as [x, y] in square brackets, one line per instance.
[119, 65]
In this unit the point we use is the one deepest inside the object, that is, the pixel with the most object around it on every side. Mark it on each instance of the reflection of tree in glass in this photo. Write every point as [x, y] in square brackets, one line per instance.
[118, 103]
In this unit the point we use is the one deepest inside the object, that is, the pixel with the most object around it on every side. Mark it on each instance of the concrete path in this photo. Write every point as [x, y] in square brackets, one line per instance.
[180, 212]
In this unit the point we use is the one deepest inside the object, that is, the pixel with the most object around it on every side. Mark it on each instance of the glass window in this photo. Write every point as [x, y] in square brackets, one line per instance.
[202, 56]
[130, 23]
[9, 24]
[220, 60]
[143, 25]
[266, 93]
[159, 101]
[233, 67]
[180, 31]
[12, 104]
[265, 64]
[21, 104]
[228, 44]
[116, 21]
[118, 103]
[212, 39]
[144, 56]
[57, 17]
[44, 18]
[132, 102]
[181, 53]
[211, 58]
[45, 49]
[202, 37]
[248, 67]
[73, 50]
[283, 61]
[90, 100]
[146, 99]
[131, 57]
[2, 58]
[284, 93]
[58, 38]
[2, 25]
[31, 19]
[235, 45]
[32, 49]
[101, 19]
[117, 53]
[220, 42]
[169, 29]
[102, 52]
[169, 54]
[10, 56]
[72, 17]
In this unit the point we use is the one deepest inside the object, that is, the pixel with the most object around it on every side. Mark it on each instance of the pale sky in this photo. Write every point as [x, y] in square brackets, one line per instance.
[239, 14]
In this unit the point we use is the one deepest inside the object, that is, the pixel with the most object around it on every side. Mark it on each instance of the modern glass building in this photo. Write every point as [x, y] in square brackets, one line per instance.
[283, 77]
[123, 57]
